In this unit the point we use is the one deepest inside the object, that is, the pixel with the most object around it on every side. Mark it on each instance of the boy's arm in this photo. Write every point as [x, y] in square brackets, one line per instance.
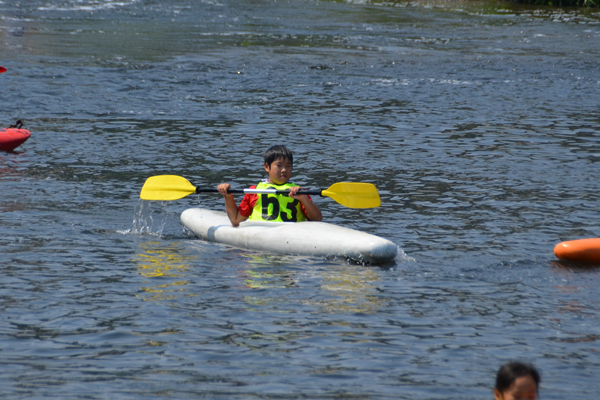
[230, 207]
[312, 211]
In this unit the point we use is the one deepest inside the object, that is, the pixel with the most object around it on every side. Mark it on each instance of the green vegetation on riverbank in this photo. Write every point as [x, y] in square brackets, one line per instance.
[551, 3]
[562, 3]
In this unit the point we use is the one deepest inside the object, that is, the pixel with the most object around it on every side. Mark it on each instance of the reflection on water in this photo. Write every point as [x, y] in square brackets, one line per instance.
[14, 165]
[344, 287]
[154, 261]
[568, 266]
[265, 271]
[352, 288]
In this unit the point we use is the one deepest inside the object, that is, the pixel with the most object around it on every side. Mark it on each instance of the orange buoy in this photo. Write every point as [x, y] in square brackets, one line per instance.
[13, 136]
[587, 250]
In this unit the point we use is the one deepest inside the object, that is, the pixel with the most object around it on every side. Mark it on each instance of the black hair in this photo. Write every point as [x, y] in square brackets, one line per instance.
[509, 373]
[278, 152]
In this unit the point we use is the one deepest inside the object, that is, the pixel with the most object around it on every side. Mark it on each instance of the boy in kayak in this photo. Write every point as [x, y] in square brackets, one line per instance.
[272, 207]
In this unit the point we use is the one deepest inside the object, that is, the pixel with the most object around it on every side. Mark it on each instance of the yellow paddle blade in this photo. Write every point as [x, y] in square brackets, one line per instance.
[166, 187]
[353, 194]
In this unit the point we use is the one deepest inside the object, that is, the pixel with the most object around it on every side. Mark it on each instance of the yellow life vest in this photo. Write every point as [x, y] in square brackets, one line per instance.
[276, 207]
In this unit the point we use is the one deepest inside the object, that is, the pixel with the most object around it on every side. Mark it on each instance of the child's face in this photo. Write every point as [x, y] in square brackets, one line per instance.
[280, 171]
[524, 388]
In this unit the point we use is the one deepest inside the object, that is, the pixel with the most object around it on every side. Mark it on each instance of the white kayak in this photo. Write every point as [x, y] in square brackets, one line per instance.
[301, 238]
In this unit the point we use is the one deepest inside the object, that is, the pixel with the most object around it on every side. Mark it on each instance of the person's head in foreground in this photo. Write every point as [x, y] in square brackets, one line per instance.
[517, 381]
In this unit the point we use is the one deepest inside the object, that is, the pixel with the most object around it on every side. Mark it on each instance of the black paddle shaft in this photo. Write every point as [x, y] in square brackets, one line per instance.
[239, 191]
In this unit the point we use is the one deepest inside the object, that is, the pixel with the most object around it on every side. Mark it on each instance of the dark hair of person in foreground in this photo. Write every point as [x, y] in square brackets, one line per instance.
[517, 380]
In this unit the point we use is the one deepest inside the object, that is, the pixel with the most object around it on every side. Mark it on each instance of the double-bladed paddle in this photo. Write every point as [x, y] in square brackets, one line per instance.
[348, 194]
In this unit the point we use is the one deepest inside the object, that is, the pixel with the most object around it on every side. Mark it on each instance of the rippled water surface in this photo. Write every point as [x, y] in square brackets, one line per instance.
[478, 122]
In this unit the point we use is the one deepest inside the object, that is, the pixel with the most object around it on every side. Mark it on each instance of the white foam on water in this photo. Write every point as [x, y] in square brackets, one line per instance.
[86, 5]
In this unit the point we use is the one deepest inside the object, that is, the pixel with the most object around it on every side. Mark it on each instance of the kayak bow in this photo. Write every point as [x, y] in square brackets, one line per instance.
[13, 136]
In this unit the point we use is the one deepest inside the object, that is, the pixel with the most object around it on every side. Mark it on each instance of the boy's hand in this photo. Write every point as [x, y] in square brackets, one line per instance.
[312, 211]
[223, 188]
[294, 193]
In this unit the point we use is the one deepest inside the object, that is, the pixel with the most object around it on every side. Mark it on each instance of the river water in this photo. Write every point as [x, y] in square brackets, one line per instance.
[478, 122]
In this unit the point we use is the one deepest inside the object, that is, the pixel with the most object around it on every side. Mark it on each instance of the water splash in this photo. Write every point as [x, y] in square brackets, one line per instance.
[145, 221]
